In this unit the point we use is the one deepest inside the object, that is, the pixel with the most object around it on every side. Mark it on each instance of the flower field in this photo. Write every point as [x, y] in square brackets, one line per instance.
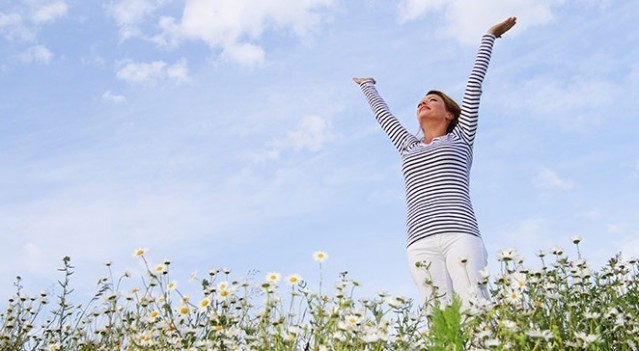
[563, 305]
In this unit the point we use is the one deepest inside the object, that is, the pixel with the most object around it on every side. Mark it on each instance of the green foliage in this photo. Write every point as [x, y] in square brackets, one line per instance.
[446, 328]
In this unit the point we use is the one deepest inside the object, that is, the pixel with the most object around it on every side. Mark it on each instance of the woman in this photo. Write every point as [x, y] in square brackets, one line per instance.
[445, 249]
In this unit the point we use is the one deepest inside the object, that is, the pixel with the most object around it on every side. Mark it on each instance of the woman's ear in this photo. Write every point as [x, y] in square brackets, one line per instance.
[450, 116]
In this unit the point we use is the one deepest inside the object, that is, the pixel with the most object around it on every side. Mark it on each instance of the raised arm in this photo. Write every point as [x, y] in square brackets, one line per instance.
[467, 126]
[398, 135]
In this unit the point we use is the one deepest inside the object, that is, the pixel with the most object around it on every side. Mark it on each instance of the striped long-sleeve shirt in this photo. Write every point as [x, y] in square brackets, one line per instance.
[437, 175]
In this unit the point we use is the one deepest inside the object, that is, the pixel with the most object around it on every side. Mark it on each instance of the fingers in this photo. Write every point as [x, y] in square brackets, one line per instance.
[499, 29]
[509, 23]
[362, 80]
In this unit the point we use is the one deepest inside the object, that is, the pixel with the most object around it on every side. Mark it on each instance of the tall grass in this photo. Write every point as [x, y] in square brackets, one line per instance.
[564, 305]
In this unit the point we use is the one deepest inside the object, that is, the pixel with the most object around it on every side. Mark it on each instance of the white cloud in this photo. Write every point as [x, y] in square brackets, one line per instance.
[233, 25]
[565, 102]
[549, 179]
[37, 54]
[142, 72]
[413, 9]
[153, 72]
[311, 133]
[50, 12]
[118, 99]
[244, 53]
[129, 14]
[178, 71]
[12, 27]
[24, 22]
[10, 20]
[465, 20]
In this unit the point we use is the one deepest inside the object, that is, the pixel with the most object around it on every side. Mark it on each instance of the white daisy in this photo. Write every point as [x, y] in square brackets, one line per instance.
[320, 256]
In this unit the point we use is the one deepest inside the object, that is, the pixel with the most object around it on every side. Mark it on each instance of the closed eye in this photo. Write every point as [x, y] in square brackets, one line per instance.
[427, 100]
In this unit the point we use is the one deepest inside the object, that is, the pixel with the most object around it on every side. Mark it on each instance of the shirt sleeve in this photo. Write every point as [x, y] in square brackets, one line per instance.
[398, 135]
[467, 126]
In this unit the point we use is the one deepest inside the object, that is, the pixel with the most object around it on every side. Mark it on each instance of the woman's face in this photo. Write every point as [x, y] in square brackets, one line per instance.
[432, 107]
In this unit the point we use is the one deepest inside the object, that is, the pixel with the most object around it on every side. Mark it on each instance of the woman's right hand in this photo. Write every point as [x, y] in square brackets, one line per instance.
[359, 81]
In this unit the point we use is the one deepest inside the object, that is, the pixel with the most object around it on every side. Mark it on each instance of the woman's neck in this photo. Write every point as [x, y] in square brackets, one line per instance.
[432, 133]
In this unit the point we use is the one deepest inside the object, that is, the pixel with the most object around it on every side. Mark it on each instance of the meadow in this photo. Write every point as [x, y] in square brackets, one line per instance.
[563, 305]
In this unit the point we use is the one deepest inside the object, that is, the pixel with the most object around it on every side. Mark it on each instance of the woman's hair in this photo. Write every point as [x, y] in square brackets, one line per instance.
[451, 106]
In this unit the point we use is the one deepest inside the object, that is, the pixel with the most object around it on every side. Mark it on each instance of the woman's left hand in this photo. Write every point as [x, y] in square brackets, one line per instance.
[362, 80]
[500, 28]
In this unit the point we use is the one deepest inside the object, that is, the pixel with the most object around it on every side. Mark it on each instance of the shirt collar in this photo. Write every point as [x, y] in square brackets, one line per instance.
[444, 137]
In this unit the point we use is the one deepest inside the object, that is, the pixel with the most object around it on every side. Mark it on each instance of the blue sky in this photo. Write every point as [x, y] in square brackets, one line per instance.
[229, 133]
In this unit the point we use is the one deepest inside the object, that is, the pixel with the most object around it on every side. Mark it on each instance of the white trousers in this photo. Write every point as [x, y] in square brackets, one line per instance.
[449, 262]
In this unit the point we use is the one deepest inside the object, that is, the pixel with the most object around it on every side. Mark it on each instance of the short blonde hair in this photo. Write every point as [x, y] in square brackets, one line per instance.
[451, 106]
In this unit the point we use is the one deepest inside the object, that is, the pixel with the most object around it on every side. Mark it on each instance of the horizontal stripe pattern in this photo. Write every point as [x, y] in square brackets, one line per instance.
[437, 175]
